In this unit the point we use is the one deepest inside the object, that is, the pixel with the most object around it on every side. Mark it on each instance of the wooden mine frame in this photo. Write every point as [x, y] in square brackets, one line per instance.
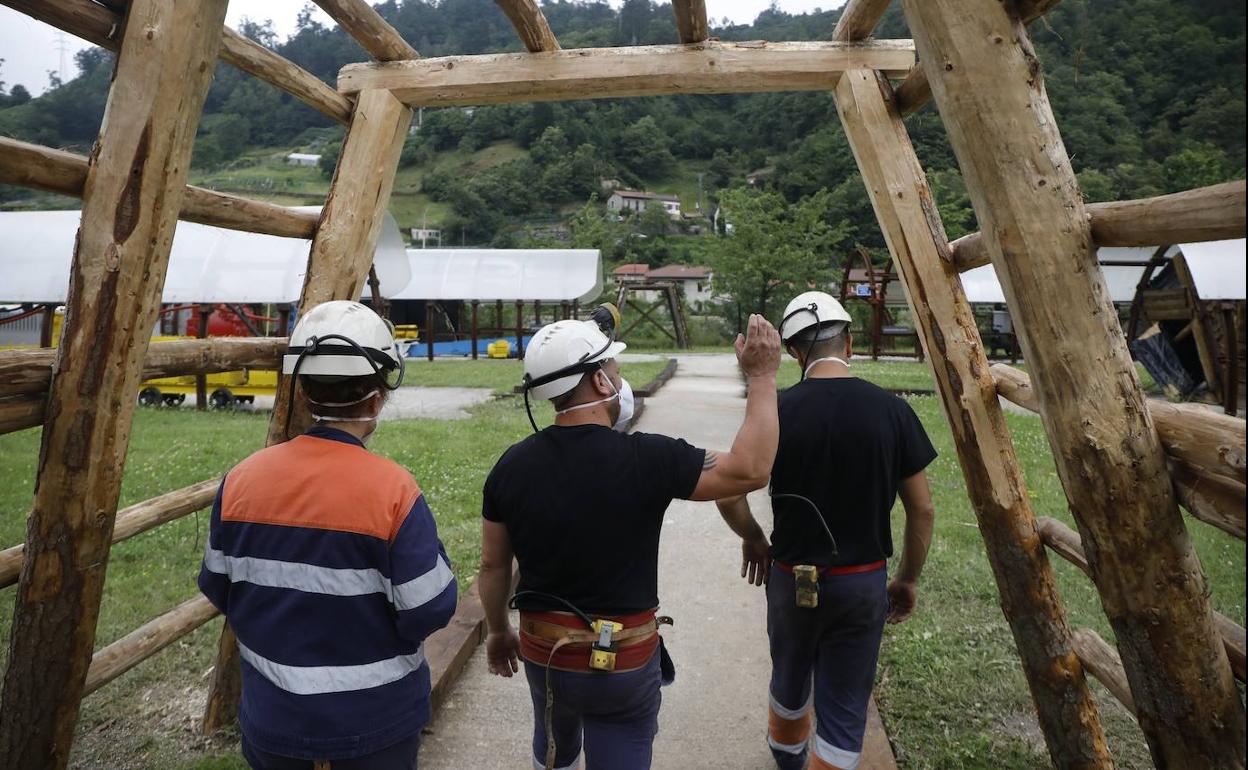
[1126, 464]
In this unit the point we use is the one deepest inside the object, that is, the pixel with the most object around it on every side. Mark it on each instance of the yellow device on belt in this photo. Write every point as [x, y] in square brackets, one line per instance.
[806, 578]
[602, 654]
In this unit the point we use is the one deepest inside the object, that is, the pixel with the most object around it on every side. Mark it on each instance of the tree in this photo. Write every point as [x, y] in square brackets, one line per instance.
[645, 149]
[776, 248]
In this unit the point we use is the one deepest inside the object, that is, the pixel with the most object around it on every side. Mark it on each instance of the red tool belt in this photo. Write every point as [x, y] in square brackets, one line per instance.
[852, 569]
[540, 632]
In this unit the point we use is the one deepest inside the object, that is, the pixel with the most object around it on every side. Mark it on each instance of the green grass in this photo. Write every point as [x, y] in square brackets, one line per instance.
[951, 690]
[500, 375]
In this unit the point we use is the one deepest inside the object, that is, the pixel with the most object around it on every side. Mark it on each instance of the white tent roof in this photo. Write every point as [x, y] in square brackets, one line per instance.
[558, 275]
[1217, 269]
[207, 264]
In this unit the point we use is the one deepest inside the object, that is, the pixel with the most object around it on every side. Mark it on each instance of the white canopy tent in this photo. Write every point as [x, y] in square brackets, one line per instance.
[207, 264]
[1217, 269]
[549, 275]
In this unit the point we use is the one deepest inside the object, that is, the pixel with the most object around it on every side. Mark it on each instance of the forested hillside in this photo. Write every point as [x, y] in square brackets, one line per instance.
[1149, 95]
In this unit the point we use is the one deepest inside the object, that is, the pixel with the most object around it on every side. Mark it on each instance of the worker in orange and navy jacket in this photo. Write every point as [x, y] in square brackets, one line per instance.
[325, 560]
[847, 450]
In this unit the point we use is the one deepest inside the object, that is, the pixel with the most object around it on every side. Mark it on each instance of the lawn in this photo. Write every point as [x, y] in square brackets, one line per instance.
[501, 375]
[951, 691]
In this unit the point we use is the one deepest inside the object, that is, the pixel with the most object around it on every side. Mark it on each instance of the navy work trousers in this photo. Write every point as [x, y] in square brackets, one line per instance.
[614, 716]
[400, 756]
[825, 657]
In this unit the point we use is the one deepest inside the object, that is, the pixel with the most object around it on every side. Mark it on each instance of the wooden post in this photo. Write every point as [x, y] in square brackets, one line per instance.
[429, 330]
[994, 480]
[133, 193]
[283, 321]
[537, 312]
[877, 321]
[1230, 367]
[46, 320]
[201, 380]
[476, 307]
[342, 251]
[519, 328]
[499, 329]
[987, 83]
[576, 310]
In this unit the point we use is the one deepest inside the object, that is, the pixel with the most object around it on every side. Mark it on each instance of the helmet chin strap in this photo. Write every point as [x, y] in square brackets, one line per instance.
[817, 361]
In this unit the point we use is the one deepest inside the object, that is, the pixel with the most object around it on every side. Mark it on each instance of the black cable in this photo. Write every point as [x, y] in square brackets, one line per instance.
[818, 516]
[512, 604]
[313, 348]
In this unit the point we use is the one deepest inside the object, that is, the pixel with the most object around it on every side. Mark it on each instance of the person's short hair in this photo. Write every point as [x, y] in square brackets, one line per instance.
[828, 339]
[339, 390]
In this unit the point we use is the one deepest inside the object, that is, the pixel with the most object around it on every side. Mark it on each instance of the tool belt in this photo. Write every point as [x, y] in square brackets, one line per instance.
[852, 569]
[560, 640]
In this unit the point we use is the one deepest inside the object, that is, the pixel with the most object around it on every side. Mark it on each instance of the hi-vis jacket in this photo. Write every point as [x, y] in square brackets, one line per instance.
[326, 561]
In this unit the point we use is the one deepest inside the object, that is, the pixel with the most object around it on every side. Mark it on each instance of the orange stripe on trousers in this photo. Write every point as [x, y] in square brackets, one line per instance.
[788, 731]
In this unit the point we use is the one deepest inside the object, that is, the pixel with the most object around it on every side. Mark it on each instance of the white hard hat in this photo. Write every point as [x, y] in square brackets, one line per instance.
[808, 310]
[574, 347]
[343, 339]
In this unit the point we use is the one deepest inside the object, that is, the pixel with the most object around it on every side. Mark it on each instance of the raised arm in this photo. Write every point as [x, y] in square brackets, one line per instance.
[502, 645]
[747, 466]
[920, 516]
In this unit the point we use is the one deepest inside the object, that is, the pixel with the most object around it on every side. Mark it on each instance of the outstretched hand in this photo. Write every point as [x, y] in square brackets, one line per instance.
[758, 352]
[502, 652]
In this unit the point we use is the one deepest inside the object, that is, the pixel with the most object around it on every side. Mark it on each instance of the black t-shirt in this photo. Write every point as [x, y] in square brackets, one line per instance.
[845, 445]
[583, 506]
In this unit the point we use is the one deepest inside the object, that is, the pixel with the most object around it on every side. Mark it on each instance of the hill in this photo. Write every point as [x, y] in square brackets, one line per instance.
[1149, 95]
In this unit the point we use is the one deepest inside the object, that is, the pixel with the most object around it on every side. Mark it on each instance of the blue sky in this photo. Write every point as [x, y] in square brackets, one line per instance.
[30, 48]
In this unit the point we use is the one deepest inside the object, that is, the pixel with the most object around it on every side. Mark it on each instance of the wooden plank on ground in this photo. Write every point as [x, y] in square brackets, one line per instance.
[648, 70]
[989, 87]
[133, 192]
[946, 324]
[877, 753]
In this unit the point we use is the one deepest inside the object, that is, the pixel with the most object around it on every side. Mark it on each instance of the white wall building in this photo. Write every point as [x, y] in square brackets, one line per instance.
[634, 200]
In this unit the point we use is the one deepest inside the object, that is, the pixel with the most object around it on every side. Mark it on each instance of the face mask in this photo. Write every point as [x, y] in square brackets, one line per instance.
[617, 394]
[626, 406]
[817, 361]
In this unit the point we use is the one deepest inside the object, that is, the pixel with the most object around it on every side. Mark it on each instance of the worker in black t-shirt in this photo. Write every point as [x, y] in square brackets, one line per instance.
[580, 506]
[847, 448]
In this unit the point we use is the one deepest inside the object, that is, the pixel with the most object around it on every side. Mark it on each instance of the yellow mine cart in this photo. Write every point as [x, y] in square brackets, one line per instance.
[225, 389]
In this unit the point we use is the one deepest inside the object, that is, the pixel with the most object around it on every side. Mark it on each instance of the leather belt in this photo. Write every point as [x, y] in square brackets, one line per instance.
[852, 569]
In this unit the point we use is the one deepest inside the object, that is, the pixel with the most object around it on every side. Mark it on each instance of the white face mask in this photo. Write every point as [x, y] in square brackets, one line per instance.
[626, 406]
[818, 361]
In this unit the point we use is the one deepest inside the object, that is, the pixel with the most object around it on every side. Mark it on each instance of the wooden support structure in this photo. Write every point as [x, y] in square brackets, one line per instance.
[137, 646]
[859, 19]
[476, 308]
[30, 371]
[1102, 661]
[987, 84]
[429, 327]
[42, 168]
[647, 70]
[691, 24]
[1206, 452]
[133, 192]
[1211, 213]
[1065, 542]
[519, 328]
[531, 25]
[362, 22]
[131, 521]
[338, 264]
[201, 379]
[915, 91]
[98, 24]
[946, 324]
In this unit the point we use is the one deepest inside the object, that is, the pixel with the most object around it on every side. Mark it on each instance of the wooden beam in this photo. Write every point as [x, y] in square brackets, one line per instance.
[131, 521]
[1102, 661]
[341, 254]
[945, 322]
[859, 19]
[1065, 542]
[98, 24]
[915, 91]
[29, 371]
[990, 90]
[137, 646]
[42, 168]
[1211, 213]
[531, 25]
[133, 193]
[649, 70]
[1206, 452]
[690, 20]
[362, 22]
